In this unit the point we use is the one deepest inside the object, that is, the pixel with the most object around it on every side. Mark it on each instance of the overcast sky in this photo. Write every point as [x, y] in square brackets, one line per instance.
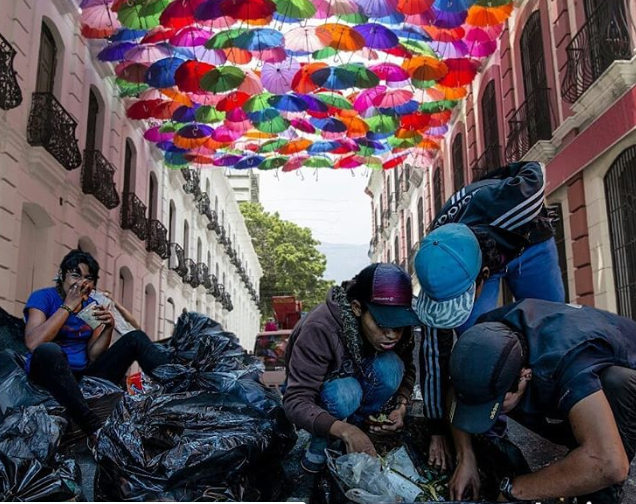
[331, 203]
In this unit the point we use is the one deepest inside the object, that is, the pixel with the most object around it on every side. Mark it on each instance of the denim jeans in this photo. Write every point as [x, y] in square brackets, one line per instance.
[357, 397]
[534, 274]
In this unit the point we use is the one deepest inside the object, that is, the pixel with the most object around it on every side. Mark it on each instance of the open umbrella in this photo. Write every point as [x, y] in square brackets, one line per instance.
[247, 9]
[259, 39]
[334, 78]
[453, 5]
[295, 162]
[302, 125]
[304, 38]
[273, 163]
[233, 100]
[190, 36]
[365, 78]
[479, 15]
[277, 77]
[188, 76]
[296, 9]
[131, 71]
[340, 37]
[328, 8]
[318, 162]
[142, 17]
[148, 53]
[382, 123]
[161, 74]
[258, 102]
[392, 98]
[288, 103]
[115, 52]
[208, 114]
[461, 71]
[390, 72]
[249, 162]
[414, 6]
[377, 8]
[222, 79]
[425, 68]
[377, 36]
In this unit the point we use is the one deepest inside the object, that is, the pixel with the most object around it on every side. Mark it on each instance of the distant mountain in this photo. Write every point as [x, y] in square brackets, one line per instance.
[344, 261]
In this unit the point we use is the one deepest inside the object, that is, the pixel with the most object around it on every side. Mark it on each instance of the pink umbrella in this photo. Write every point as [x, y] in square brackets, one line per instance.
[147, 53]
[392, 98]
[214, 57]
[351, 161]
[99, 17]
[222, 22]
[225, 135]
[273, 55]
[154, 135]
[455, 49]
[277, 77]
[303, 125]
[328, 8]
[205, 98]
[251, 84]
[237, 120]
[390, 72]
[190, 36]
[303, 38]
[365, 98]
[483, 49]
[295, 162]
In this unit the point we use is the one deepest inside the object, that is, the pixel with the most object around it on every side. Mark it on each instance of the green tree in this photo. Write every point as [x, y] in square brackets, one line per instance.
[291, 263]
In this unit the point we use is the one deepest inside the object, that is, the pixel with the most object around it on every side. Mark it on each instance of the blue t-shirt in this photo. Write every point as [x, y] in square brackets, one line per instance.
[569, 345]
[74, 334]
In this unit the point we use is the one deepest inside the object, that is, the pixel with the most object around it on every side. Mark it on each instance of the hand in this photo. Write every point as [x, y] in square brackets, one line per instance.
[465, 483]
[104, 316]
[357, 441]
[395, 421]
[439, 454]
[77, 293]
[501, 498]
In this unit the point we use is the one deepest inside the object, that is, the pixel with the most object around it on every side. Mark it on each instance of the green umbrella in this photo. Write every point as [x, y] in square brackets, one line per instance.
[318, 162]
[222, 79]
[171, 127]
[438, 106]
[354, 18]
[224, 39]
[272, 145]
[298, 9]
[273, 162]
[365, 78]
[404, 143]
[423, 84]
[419, 47]
[335, 100]
[325, 53]
[208, 114]
[129, 89]
[275, 125]
[258, 102]
[382, 123]
[141, 16]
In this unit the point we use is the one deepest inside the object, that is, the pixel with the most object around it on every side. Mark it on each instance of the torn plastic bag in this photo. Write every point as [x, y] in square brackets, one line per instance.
[29, 468]
[186, 444]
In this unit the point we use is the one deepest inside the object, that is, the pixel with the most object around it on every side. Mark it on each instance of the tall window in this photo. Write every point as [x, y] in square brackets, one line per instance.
[172, 222]
[490, 127]
[47, 61]
[458, 163]
[199, 250]
[409, 236]
[152, 197]
[186, 239]
[129, 167]
[396, 248]
[91, 121]
[438, 190]
[396, 182]
[420, 218]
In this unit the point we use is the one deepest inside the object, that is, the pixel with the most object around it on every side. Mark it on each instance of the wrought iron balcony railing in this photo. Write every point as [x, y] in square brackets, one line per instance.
[531, 122]
[222, 236]
[489, 160]
[97, 179]
[133, 215]
[158, 239]
[177, 260]
[203, 273]
[192, 277]
[193, 181]
[603, 39]
[203, 204]
[10, 92]
[213, 225]
[52, 127]
[214, 287]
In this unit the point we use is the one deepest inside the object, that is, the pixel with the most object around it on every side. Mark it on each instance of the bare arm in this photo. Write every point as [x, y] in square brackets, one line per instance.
[40, 330]
[128, 317]
[465, 483]
[356, 440]
[102, 336]
[598, 462]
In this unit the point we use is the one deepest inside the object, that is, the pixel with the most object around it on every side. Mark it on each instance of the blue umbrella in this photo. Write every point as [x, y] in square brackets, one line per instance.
[161, 73]
[330, 124]
[185, 114]
[267, 114]
[259, 39]
[115, 52]
[334, 78]
[176, 158]
[412, 32]
[285, 19]
[443, 19]
[392, 19]
[288, 102]
[313, 103]
[125, 34]
[319, 147]
[378, 136]
[249, 162]
[406, 108]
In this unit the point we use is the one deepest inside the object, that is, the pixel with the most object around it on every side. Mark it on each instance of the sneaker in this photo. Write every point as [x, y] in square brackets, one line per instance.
[314, 458]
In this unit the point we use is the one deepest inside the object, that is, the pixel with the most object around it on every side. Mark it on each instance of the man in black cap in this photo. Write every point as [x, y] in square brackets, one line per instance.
[541, 362]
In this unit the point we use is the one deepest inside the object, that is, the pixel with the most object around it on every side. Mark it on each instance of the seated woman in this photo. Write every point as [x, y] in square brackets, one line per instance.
[350, 358]
[63, 347]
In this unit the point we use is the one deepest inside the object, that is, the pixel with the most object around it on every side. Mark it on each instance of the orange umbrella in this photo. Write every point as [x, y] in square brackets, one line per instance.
[295, 146]
[189, 143]
[259, 135]
[302, 83]
[488, 16]
[425, 68]
[238, 56]
[259, 22]
[427, 143]
[252, 83]
[440, 118]
[445, 34]
[356, 127]
[177, 96]
[340, 36]
[450, 93]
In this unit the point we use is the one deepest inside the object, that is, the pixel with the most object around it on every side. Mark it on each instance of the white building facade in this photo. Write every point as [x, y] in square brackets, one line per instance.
[75, 172]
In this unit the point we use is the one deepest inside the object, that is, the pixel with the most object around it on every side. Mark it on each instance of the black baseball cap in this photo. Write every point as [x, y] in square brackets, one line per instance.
[484, 365]
[387, 292]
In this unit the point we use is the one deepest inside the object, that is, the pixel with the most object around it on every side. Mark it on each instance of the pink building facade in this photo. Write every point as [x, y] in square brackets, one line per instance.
[75, 172]
[561, 90]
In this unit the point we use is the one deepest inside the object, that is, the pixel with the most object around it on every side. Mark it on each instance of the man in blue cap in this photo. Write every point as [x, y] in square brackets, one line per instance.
[540, 362]
[493, 229]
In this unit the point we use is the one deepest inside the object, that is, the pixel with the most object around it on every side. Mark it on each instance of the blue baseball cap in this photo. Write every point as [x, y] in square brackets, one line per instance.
[447, 266]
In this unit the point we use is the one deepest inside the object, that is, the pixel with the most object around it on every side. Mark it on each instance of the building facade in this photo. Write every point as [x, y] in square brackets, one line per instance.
[561, 90]
[245, 184]
[75, 172]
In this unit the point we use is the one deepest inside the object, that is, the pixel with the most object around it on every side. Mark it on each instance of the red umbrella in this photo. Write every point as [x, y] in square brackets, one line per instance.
[414, 6]
[179, 14]
[158, 34]
[416, 121]
[461, 72]
[247, 9]
[233, 100]
[189, 74]
[142, 109]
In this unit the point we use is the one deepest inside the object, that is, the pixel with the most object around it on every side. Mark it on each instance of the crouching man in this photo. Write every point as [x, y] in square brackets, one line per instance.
[541, 362]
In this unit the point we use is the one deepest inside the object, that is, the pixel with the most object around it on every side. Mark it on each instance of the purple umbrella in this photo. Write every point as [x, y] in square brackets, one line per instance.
[455, 49]
[277, 77]
[154, 135]
[208, 10]
[377, 36]
[331, 125]
[377, 8]
[115, 52]
[314, 104]
[190, 36]
[229, 160]
[216, 57]
[184, 114]
[446, 19]
[195, 130]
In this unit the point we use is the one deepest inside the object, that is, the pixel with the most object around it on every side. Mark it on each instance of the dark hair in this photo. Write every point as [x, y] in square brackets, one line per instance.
[355, 290]
[71, 262]
[491, 256]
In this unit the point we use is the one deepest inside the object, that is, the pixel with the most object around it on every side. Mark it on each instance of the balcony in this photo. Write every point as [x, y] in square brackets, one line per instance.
[192, 276]
[193, 182]
[603, 39]
[133, 215]
[97, 179]
[177, 260]
[531, 122]
[213, 290]
[10, 94]
[489, 160]
[52, 127]
[223, 240]
[203, 273]
[157, 241]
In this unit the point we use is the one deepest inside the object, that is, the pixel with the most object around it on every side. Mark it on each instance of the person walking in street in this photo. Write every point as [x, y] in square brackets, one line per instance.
[493, 229]
[540, 362]
[349, 358]
[63, 347]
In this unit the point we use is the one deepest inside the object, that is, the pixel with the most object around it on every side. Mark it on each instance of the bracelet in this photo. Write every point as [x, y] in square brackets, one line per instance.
[505, 488]
[67, 308]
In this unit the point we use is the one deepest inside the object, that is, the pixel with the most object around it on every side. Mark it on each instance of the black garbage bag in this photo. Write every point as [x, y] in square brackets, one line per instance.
[188, 445]
[30, 470]
[12, 333]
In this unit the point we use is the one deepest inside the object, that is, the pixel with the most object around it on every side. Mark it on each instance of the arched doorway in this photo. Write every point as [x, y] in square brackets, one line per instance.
[126, 288]
[150, 311]
[620, 194]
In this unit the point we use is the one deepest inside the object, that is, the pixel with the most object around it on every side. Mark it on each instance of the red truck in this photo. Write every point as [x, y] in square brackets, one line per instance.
[270, 345]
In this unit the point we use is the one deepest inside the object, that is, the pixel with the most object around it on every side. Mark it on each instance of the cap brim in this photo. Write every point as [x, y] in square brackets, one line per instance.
[393, 316]
[445, 314]
[475, 418]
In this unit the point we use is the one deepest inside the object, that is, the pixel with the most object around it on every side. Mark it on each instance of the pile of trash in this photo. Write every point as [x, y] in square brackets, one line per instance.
[203, 428]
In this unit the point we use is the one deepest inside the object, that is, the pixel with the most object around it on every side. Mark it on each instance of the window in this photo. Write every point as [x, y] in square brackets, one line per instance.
[409, 236]
[47, 61]
[186, 239]
[150, 311]
[458, 163]
[199, 250]
[559, 238]
[91, 121]
[129, 167]
[437, 189]
[490, 127]
[172, 222]
[420, 218]
[396, 248]
[152, 197]
[170, 317]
